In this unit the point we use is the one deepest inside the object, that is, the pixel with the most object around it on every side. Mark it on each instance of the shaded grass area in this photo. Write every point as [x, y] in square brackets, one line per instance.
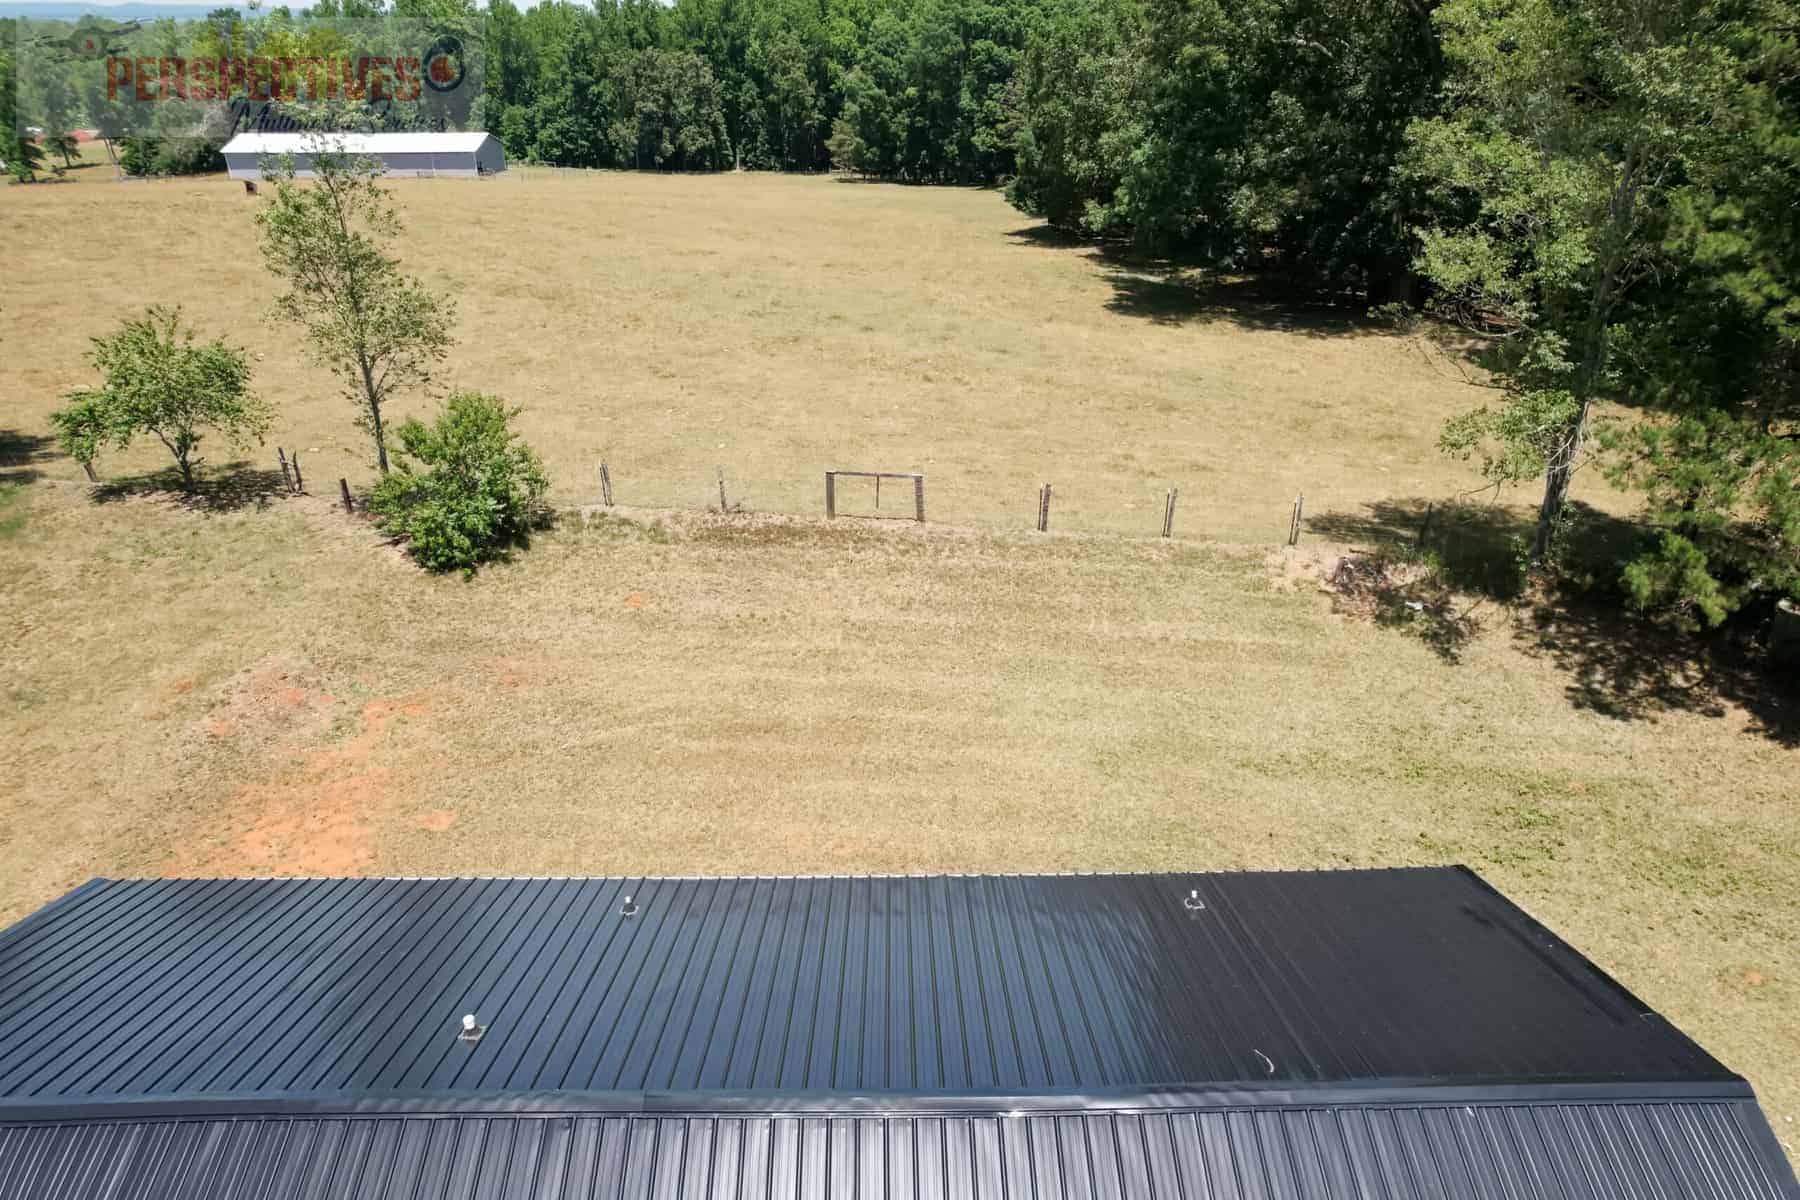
[272, 690]
[1171, 292]
[1615, 664]
[220, 489]
[20, 454]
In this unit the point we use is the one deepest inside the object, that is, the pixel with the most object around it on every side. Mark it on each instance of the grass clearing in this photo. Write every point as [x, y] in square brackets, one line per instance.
[247, 683]
[780, 326]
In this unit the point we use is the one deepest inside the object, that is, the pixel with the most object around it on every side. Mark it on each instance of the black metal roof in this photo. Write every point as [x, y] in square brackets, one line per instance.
[168, 988]
[1653, 1151]
[1355, 1033]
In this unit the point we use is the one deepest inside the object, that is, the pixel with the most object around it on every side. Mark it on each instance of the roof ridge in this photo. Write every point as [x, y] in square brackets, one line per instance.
[1180, 1097]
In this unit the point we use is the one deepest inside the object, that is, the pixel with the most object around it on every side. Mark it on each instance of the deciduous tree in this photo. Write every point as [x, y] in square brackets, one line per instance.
[1568, 129]
[380, 329]
[64, 143]
[158, 381]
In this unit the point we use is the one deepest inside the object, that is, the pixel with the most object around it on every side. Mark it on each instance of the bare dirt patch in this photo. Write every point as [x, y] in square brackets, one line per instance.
[281, 700]
[320, 818]
[1303, 568]
[318, 830]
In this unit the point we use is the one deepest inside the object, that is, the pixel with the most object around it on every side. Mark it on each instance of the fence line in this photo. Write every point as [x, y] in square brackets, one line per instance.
[1287, 529]
[973, 500]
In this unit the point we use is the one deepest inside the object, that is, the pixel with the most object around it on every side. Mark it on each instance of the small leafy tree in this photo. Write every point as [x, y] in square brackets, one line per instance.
[378, 328]
[477, 493]
[158, 381]
[64, 143]
[845, 147]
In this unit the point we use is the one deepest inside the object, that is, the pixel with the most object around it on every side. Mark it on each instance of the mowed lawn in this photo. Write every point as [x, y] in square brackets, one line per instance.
[266, 688]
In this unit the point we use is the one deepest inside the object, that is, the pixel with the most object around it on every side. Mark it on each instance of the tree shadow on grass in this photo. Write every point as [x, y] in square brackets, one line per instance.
[228, 488]
[1173, 296]
[18, 450]
[1168, 291]
[1474, 545]
[1614, 663]
[1631, 670]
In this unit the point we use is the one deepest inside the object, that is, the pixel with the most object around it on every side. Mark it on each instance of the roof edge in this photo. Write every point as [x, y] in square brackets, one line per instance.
[730, 877]
[1422, 1092]
[39, 915]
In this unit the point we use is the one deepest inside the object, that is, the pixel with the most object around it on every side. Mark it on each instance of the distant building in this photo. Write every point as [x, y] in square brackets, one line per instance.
[458, 155]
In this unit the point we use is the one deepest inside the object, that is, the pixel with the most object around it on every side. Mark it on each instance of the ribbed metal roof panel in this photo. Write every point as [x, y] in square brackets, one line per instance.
[450, 142]
[1618, 1151]
[148, 989]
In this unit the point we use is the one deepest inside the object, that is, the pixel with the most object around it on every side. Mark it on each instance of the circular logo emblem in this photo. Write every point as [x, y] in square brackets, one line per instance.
[443, 65]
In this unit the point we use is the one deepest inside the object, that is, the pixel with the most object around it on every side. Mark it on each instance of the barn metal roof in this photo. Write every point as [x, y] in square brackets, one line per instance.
[325, 986]
[375, 144]
[1355, 1033]
[1665, 1151]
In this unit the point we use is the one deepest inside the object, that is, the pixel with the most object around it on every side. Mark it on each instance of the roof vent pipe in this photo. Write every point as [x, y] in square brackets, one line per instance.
[1193, 903]
[629, 908]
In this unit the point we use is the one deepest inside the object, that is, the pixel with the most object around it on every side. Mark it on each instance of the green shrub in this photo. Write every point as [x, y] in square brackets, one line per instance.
[187, 156]
[137, 156]
[475, 492]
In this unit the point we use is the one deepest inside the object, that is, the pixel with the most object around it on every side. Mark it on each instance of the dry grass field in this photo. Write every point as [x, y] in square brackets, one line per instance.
[781, 326]
[256, 684]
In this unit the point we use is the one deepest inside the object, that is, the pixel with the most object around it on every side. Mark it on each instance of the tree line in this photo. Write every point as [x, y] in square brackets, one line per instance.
[1604, 190]
[918, 91]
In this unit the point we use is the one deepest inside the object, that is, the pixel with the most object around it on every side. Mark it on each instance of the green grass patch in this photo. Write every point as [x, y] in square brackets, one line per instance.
[13, 510]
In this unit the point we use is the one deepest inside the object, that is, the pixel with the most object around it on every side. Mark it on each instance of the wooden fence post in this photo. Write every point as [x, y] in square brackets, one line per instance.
[605, 484]
[723, 507]
[299, 484]
[1294, 528]
[831, 493]
[1044, 509]
[287, 480]
[1169, 513]
[344, 487]
[919, 498]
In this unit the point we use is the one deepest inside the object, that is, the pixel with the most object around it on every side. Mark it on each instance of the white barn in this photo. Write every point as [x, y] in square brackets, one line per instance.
[458, 155]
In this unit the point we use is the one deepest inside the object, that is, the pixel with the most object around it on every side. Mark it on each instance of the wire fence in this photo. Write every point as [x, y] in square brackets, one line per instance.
[1175, 510]
[529, 172]
[1466, 534]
